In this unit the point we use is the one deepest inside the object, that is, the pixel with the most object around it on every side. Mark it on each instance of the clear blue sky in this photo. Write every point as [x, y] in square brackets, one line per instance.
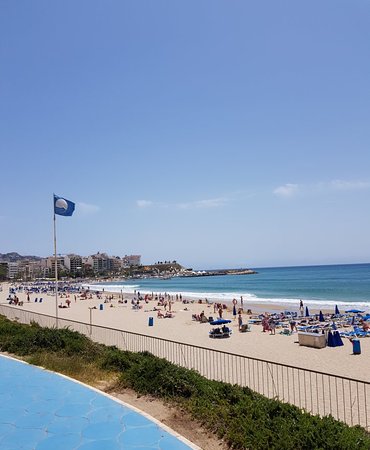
[217, 133]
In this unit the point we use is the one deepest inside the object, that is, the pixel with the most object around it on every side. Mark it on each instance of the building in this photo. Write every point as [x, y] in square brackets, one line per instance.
[13, 269]
[100, 262]
[73, 263]
[50, 264]
[131, 260]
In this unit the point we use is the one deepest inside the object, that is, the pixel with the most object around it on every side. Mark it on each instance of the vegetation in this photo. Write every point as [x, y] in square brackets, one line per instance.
[243, 418]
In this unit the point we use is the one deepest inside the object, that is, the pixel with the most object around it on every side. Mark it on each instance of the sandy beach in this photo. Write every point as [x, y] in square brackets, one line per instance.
[182, 328]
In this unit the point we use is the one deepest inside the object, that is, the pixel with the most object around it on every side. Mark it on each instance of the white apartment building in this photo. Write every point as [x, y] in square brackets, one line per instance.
[13, 268]
[73, 263]
[50, 264]
[131, 260]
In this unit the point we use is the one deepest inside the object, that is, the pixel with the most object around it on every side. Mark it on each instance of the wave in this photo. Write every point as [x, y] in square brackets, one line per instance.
[128, 289]
[227, 297]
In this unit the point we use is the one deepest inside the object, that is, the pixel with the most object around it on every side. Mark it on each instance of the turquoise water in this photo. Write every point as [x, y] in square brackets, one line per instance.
[316, 285]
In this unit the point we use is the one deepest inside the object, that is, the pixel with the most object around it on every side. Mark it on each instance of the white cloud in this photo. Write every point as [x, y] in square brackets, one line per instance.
[86, 208]
[144, 203]
[200, 204]
[340, 185]
[287, 190]
[208, 203]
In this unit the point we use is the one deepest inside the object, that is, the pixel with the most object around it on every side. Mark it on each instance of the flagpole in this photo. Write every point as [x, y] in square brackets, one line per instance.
[56, 270]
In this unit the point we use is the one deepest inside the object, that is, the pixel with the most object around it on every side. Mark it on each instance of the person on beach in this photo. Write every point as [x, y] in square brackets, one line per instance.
[220, 311]
[293, 326]
[272, 325]
[241, 302]
[301, 307]
[265, 324]
[240, 320]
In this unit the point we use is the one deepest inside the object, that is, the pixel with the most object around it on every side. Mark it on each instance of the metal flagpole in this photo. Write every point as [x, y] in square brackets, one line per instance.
[56, 268]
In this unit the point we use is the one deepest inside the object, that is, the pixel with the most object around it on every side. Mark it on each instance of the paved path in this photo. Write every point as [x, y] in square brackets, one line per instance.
[41, 410]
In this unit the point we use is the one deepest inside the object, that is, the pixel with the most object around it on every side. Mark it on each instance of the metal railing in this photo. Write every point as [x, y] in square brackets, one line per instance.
[316, 392]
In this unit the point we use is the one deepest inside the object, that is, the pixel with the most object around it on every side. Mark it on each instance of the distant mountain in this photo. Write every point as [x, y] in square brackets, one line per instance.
[15, 257]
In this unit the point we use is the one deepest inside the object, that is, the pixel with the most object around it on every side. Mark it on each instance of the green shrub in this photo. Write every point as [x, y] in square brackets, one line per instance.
[243, 418]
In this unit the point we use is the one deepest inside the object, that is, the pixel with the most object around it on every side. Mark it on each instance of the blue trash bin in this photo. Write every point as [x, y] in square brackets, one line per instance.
[101, 306]
[356, 346]
[151, 321]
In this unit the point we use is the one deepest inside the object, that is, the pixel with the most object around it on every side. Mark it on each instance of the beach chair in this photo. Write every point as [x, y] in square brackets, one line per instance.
[286, 332]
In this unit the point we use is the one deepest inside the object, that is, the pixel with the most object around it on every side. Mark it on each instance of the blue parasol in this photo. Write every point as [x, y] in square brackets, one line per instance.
[354, 311]
[307, 312]
[220, 322]
[337, 313]
[321, 317]
[331, 342]
[337, 339]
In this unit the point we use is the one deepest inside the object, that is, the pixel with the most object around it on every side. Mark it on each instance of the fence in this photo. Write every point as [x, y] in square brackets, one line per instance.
[346, 399]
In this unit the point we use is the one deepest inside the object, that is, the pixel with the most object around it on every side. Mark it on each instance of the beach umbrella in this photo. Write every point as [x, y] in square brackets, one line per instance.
[337, 339]
[220, 322]
[367, 317]
[334, 326]
[337, 313]
[354, 311]
[307, 312]
[321, 317]
[331, 342]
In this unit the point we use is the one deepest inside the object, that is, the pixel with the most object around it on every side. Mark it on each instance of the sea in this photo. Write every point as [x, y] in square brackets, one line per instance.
[345, 285]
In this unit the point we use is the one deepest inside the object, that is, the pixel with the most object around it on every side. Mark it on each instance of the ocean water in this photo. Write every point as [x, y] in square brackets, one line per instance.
[320, 286]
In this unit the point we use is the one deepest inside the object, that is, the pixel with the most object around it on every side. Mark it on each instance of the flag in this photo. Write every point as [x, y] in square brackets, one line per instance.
[62, 206]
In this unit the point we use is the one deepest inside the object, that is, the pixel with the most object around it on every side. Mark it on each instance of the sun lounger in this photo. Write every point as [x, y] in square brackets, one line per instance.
[286, 332]
[217, 333]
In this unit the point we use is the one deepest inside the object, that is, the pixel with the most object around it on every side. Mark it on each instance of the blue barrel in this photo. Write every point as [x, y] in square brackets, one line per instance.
[356, 346]
[151, 321]
[101, 306]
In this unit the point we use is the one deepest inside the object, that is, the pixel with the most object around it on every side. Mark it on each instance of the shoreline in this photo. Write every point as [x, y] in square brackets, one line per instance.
[110, 310]
[271, 304]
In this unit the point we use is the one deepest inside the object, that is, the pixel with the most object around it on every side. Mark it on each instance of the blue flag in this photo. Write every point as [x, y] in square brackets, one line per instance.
[62, 206]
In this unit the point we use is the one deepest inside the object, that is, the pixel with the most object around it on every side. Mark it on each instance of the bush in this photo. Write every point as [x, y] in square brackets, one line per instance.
[243, 418]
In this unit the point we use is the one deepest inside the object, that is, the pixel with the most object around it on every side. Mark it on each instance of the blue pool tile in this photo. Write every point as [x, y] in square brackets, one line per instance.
[105, 444]
[10, 414]
[38, 421]
[134, 419]
[22, 439]
[150, 436]
[62, 425]
[110, 413]
[60, 442]
[73, 410]
[170, 442]
[102, 430]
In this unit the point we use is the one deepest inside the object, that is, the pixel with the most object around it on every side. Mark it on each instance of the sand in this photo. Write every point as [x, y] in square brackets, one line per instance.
[181, 328]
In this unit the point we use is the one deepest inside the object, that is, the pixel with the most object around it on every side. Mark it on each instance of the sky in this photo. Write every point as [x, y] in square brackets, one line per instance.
[214, 133]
